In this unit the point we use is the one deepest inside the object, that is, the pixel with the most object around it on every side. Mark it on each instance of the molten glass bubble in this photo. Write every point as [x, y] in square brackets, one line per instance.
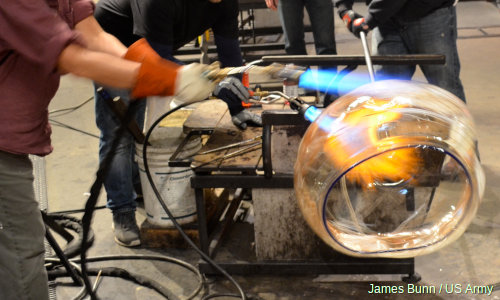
[390, 170]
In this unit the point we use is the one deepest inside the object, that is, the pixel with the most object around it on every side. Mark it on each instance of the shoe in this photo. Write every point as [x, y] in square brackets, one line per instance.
[126, 229]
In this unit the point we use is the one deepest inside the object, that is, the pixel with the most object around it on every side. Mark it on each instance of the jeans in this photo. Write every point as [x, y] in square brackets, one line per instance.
[22, 270]
[291, 13]
[122, 179]
[435, 33]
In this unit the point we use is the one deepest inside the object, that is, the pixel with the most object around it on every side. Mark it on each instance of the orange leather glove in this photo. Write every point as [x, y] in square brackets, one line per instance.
[156, 75]
[160, 77]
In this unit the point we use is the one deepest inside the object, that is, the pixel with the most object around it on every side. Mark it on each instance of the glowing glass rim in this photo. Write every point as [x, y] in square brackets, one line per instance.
[325, 225]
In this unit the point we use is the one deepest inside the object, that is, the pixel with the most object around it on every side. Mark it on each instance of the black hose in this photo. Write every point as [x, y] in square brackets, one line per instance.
[73, 247]
[155, 257]
[165, 208]
[141, 281]
[95, 190]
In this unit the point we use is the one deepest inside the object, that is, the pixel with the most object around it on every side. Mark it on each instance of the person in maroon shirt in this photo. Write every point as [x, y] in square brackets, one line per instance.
[39, 41]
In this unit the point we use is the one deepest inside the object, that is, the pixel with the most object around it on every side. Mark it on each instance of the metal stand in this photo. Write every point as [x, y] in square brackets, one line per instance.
[337, 264]
[264, 177]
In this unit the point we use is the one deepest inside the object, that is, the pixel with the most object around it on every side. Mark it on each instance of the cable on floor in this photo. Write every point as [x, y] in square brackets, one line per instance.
[73, 245]
[139, 279]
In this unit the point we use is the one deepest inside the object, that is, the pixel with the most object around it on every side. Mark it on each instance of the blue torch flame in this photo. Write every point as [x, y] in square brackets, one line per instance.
[331, 81]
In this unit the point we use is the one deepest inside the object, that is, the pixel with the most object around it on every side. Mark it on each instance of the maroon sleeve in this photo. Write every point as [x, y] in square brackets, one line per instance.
[36, 31]
[79, 10]
[83, 9]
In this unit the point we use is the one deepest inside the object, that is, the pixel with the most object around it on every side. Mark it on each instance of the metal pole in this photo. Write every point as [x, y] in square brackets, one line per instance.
[368, 59]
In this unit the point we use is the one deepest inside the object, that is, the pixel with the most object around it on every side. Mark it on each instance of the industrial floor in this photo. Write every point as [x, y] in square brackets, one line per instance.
[473, 259]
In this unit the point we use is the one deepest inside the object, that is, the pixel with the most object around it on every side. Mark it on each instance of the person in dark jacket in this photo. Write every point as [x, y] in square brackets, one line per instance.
[167, 26]
[411, 27]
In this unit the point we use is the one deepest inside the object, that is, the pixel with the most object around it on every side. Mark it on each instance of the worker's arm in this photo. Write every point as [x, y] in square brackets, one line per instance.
[379, 11]
[50, 43]
[141, 70]
[99, 40]
[35, 32]
[101, 67]
[100, 59]
[272, 4]
[343, 5]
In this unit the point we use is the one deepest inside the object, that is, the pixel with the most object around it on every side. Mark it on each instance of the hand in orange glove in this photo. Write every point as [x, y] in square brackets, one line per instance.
[160, 77]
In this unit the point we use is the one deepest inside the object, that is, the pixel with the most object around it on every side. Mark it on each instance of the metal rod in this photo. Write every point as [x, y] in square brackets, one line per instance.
[231, 145]
[368, 59]
[243, 150]
[334, 60]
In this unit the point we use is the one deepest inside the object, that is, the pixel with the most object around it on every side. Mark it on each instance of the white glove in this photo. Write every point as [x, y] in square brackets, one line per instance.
[191, 85]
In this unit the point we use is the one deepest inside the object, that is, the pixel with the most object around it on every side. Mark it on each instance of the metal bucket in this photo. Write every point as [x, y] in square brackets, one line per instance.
[173, 183]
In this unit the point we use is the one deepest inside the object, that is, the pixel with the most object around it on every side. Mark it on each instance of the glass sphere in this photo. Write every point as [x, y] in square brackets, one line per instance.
[390, 170]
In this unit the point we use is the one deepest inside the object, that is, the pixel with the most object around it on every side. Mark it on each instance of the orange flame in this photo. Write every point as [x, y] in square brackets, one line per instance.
[360, 127]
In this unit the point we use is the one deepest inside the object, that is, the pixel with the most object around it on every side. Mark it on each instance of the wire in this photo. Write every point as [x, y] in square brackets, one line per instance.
[70, 109]
[75, 211]
[83, 291]
[165, 208]
[219, 295]
[64, 111]
[60, 124]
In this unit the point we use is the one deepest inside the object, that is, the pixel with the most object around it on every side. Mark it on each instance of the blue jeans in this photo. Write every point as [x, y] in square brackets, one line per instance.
[435, 33]
[123, 176]
[291, 13]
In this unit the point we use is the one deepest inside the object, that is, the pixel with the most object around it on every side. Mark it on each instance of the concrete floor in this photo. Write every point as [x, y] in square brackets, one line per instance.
[473, 259]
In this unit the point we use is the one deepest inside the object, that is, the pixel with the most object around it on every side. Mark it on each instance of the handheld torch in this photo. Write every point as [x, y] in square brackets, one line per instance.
[289, 72]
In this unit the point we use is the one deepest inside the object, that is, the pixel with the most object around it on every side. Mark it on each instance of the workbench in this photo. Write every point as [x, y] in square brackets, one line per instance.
[284, 244]
[267, 170]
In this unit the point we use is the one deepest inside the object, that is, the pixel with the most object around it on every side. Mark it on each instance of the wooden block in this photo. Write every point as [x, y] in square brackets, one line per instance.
[160, 237]
[153, 236]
